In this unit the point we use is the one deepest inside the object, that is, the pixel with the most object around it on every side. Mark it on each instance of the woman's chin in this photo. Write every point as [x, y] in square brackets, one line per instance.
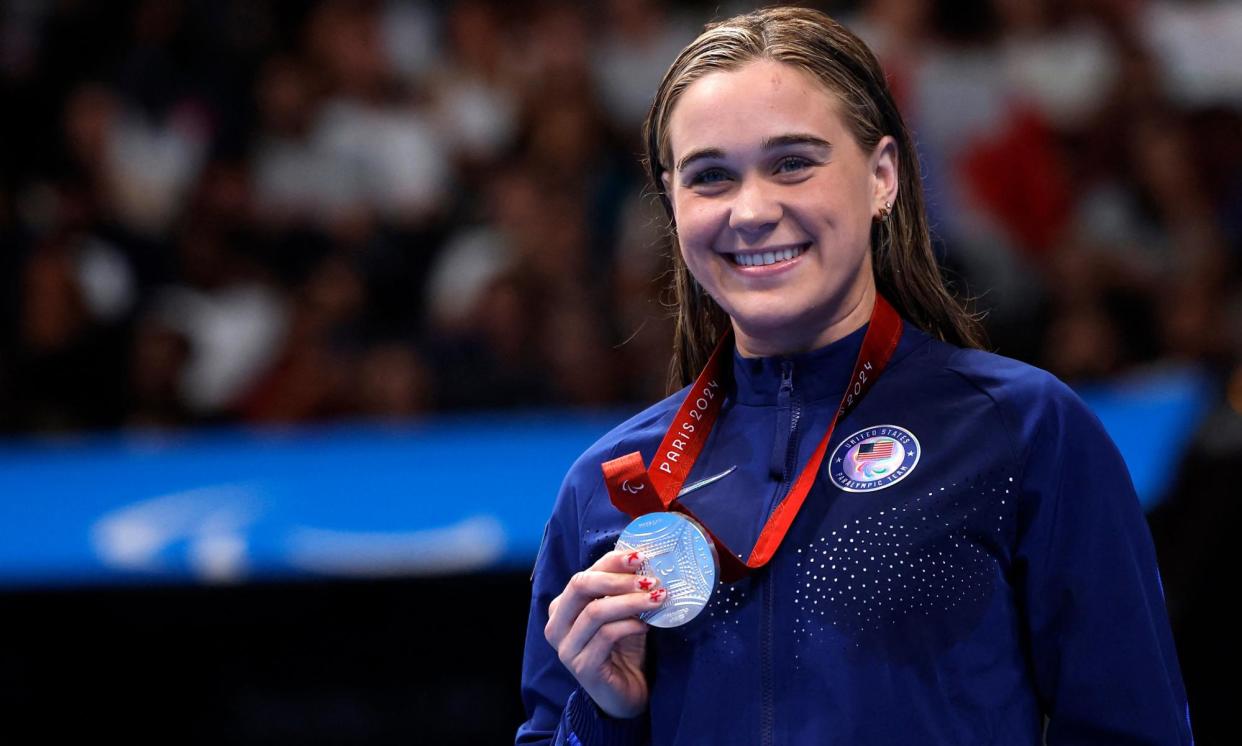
[773, 334]
[763, 331]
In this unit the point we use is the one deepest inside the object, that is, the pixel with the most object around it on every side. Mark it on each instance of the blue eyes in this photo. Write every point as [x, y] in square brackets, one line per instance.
[790, 164]
[709, 176]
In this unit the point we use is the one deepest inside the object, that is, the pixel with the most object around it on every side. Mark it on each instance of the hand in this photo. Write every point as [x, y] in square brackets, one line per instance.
[594, 627]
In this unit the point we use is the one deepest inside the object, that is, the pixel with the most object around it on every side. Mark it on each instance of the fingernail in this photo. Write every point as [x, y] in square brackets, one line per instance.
[633, 559]
[658, 595]
[646, 583]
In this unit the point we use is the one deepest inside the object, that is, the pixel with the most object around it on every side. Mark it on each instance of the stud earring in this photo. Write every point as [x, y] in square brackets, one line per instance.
[885, 212]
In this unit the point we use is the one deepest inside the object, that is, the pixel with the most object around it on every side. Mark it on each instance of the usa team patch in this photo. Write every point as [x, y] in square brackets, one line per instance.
[874, 458]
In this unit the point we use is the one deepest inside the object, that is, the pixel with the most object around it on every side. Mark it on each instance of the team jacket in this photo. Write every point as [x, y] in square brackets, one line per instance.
[970, 567]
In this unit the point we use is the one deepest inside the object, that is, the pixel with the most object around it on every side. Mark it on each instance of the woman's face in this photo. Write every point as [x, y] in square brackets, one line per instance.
[773, 200]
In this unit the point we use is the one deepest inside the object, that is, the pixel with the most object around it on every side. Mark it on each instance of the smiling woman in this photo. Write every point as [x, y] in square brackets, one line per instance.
[973, 567]
[774, 220]
[803, 64]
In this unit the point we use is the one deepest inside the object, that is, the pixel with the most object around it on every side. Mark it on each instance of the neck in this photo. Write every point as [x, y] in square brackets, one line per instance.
[849, 318]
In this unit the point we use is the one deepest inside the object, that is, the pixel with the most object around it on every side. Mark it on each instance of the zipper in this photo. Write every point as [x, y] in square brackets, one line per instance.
[791, 450]
[778, 463]
[789, 413]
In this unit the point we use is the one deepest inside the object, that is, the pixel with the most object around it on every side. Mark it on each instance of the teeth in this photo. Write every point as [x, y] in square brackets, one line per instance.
[762, 259]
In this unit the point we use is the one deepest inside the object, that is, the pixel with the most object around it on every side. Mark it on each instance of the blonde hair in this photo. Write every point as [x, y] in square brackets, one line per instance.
[905, 268]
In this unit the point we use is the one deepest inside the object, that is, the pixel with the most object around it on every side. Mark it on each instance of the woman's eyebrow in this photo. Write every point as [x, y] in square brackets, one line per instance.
[770, 143]
[795, 139]
[698, 155]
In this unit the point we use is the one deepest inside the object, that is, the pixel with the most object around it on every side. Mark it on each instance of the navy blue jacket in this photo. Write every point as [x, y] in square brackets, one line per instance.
[991, 576]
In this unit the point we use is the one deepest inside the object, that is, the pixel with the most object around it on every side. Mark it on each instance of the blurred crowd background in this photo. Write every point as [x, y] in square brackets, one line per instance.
[289, 211]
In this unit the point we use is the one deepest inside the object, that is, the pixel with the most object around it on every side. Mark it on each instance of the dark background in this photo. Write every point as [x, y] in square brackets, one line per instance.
[381, 662]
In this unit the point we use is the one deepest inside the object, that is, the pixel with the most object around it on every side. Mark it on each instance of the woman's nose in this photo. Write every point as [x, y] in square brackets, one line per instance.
[755, 207]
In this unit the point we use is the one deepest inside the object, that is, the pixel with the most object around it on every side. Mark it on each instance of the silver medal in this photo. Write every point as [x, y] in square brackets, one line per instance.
[678, 552]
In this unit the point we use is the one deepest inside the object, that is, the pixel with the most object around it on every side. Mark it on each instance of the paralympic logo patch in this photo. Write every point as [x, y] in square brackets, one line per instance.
[874, 458]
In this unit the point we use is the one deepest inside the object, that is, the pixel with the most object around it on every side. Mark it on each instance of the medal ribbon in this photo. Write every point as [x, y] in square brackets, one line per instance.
[637, 490]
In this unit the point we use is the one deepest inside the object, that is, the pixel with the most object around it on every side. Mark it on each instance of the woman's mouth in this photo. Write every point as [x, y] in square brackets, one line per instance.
[766, 258]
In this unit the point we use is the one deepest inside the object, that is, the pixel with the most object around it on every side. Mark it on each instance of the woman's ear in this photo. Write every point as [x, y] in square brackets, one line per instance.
[884, 170]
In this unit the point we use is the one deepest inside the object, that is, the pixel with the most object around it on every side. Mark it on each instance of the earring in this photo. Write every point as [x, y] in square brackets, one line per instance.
[882, 230]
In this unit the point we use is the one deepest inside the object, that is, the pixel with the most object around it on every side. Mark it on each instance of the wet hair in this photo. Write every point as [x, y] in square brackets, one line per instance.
[906, 271]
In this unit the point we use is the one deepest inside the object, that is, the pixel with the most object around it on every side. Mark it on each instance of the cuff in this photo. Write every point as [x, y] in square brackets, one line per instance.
[589, 726]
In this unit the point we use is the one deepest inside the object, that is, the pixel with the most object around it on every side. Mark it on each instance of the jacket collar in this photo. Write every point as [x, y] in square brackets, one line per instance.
[815, 375]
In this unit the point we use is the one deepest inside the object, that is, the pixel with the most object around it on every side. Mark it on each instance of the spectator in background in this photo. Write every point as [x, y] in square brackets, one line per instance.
[268, 147]
[476, 88]
[638, 38]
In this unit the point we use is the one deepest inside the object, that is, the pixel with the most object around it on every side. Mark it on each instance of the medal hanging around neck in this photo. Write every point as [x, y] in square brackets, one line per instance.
[673, 541]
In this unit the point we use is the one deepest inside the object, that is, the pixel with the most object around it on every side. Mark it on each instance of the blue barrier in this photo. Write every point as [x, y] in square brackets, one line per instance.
[452, 495]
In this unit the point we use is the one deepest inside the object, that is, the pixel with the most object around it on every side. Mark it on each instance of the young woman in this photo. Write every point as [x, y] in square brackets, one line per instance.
[941, 545]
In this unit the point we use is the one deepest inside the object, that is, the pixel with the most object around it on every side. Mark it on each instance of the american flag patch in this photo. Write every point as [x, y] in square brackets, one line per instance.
[874, 458]
[876, 450]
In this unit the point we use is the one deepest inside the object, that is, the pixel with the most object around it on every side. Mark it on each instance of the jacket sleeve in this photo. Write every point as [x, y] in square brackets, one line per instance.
[1102, 651]
[557, 711]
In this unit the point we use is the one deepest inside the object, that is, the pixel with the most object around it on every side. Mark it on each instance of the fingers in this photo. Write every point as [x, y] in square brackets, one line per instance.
[619, 560]
[590, 587]
[593, 654]
[611, 575]
[595, 618]
[602, 613]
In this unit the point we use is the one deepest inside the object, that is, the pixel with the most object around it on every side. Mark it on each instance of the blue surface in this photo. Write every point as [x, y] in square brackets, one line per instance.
[1151, 417]
[226, 505]
[453, 495]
